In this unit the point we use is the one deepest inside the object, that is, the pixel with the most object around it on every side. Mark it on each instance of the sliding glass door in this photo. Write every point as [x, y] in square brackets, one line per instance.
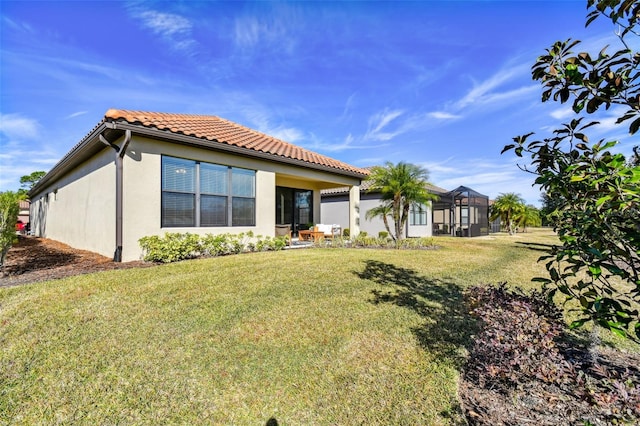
[294, 207]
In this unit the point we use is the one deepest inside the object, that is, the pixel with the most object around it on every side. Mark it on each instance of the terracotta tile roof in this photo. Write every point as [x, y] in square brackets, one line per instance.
[219, 130]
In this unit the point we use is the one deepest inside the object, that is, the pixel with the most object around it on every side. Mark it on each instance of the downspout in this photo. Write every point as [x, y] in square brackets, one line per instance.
[120, 151]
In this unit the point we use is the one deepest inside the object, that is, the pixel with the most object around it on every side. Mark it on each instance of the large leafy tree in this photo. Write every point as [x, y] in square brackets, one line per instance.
[509, 208]
[596, 191]
[400, 185]
[28, 181]
[549, 205]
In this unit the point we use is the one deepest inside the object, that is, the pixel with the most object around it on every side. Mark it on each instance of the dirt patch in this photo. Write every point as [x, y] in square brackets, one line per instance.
[35, 259]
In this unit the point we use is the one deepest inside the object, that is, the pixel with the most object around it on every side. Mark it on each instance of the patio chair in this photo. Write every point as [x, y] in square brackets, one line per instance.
[284, 231]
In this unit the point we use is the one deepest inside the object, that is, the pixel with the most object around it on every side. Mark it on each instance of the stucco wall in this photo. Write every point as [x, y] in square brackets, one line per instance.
[79, 208]
[142, 196]
[335, 210]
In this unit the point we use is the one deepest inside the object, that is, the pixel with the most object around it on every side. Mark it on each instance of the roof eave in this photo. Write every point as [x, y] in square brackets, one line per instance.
[169, 136]
[79, 152]
[89, 143]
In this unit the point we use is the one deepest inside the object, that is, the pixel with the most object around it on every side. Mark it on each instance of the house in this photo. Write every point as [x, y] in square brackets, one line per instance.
[146, 173]
[335, 203]
[23, 213]
[462, 212]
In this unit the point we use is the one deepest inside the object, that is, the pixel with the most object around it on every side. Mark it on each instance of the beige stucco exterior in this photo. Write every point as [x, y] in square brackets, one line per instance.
[79, 208]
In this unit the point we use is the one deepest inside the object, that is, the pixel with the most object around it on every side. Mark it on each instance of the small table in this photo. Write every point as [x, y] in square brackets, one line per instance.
[311, 235]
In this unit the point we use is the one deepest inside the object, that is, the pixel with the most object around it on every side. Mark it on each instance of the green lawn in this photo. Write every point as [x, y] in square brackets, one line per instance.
[320, 336]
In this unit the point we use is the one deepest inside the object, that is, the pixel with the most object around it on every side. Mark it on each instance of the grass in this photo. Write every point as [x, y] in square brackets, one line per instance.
[322, 336]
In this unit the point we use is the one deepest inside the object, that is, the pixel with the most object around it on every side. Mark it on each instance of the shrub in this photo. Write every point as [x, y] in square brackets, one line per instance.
[417, 243]
[346, 232]
[9, 209]
[170, 248]
[215, 245]
[175, 246]
[383, 235]
[268, 243]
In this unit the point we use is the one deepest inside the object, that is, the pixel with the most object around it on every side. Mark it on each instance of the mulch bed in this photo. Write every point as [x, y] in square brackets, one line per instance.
[35, 259]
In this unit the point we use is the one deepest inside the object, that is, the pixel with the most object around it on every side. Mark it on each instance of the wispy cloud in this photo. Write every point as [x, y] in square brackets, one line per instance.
[17, 25]
[489, 177]
[441, 115]
[484, 89]
[174, 29]
[165, 24]
[21, 153]
[16, 126]
[75, 114]
[381, 120]
[269, 29]
[562, 113]
[348, 106]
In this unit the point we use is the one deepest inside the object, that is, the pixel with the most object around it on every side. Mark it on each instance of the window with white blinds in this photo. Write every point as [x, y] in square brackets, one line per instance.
[204, 194]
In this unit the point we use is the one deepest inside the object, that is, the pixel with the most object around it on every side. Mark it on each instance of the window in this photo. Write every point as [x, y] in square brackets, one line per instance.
[203, 194]
[417, 215]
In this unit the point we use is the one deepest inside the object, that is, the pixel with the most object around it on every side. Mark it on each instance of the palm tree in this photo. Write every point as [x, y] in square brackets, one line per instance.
[383, 211]
[507, 207]
[400, 185]
[530, 216]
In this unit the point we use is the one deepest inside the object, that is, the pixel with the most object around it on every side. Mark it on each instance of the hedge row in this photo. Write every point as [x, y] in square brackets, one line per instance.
[174, 246]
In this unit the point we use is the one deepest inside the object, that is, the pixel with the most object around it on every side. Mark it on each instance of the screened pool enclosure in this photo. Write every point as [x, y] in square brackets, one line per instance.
[462, 212]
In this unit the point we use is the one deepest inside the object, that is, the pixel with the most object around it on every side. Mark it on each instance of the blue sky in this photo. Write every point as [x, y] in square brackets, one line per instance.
[441, 84]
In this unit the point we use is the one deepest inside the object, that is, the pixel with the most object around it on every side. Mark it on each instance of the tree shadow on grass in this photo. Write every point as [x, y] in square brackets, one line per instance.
[447, 327]
[535, 246]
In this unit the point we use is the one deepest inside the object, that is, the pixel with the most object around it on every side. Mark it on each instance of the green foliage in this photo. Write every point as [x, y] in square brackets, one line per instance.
[9, 209]
[173, 247]
[530, 216]
[596, 80]
[400, 185]
[598, 196]
[549, 205]
[366, 241]
[170, 248]
[346, 232]
[384, 210]
[509, 208]
[28, 181]
[596, 192]
[383, 235]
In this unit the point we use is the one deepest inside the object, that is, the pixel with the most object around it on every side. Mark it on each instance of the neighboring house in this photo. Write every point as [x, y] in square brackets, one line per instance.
[146, 173]
[462, 212]
[23, 213]
[335, 210]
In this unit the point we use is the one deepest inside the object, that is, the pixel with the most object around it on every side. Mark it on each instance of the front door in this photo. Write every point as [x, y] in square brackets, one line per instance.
[294, 207]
